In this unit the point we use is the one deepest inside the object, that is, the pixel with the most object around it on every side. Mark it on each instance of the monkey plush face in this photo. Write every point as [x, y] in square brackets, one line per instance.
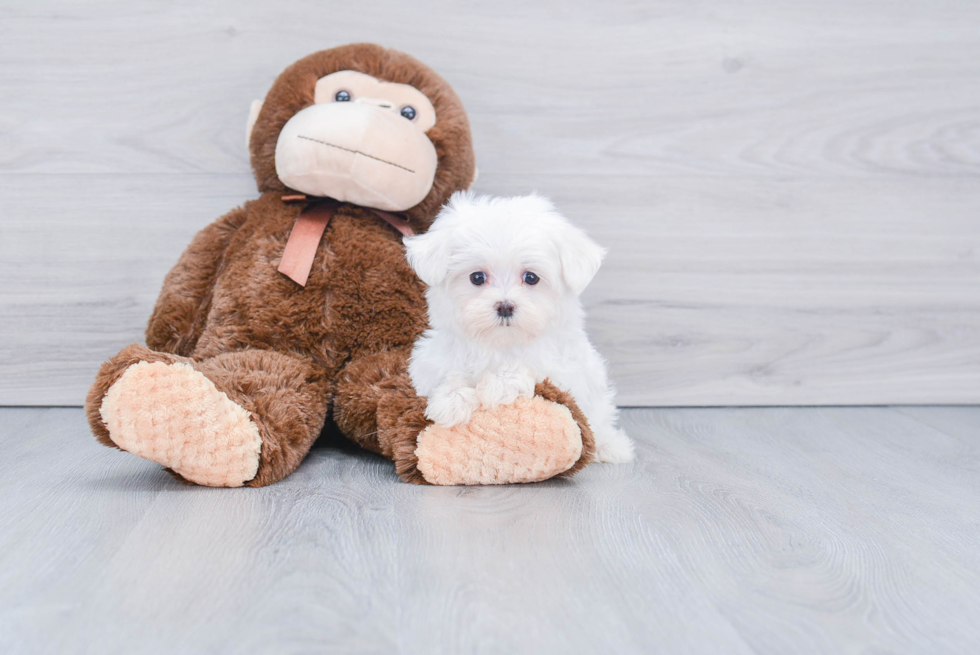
[364, 125]
[362, 141]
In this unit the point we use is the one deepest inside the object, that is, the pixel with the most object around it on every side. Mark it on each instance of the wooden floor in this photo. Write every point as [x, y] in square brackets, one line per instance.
[798, 530]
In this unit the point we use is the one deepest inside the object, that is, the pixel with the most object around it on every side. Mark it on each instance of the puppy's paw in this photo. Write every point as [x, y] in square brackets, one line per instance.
[613, 446]
[451, 406]
[505, 386]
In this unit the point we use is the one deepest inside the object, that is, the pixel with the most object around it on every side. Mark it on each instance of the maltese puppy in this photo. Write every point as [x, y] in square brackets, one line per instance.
[504, 278]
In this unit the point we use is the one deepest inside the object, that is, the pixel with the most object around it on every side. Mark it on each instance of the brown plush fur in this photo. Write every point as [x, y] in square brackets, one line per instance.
[291, 355]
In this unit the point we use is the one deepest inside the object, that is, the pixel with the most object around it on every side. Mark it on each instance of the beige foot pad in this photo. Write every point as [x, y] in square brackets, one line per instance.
[531, 440]
[173, 415]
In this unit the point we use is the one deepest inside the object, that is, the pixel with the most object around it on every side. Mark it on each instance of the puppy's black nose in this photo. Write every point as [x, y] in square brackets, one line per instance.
[505, 309]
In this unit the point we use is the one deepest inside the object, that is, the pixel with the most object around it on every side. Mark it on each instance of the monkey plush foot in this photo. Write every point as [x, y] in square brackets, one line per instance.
[530, 440]
[173, 415]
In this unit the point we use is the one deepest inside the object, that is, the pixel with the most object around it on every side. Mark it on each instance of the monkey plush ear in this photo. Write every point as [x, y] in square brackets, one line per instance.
[253, 115]
[580, 257]
[428, 254]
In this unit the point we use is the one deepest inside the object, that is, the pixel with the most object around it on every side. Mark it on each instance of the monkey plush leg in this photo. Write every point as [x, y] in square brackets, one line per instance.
[172, 414]
[241, 418]
[530, 440]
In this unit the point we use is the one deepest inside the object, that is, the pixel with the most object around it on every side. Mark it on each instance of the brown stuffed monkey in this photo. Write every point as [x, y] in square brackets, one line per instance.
[299, 308]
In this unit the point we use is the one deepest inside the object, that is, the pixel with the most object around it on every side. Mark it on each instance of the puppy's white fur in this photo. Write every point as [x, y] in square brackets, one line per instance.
[473, 357]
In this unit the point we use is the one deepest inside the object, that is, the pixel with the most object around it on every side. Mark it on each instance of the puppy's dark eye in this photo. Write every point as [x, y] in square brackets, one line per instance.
[531, 278]
[478, 278]
[408, 112]
[342, 96]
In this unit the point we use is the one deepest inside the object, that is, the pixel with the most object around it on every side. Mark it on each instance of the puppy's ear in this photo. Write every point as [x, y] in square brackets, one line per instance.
[428, 255]
[580, 257]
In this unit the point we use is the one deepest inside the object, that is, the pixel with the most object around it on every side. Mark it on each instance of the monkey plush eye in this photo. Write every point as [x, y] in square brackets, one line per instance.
[408, 112]
[531, 278]
[478, 278]
[342, 96]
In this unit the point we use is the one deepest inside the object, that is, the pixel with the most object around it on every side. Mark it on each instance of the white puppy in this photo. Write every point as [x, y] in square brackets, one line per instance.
[504, 278]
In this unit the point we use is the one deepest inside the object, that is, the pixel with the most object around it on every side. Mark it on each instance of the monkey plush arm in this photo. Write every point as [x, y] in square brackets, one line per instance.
[182, 307]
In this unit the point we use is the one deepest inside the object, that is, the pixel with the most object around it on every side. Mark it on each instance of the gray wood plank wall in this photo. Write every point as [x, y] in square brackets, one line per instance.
[790, 192]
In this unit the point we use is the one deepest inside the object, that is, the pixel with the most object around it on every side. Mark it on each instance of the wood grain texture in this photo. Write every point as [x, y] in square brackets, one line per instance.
[789, 193]
[793, 530]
